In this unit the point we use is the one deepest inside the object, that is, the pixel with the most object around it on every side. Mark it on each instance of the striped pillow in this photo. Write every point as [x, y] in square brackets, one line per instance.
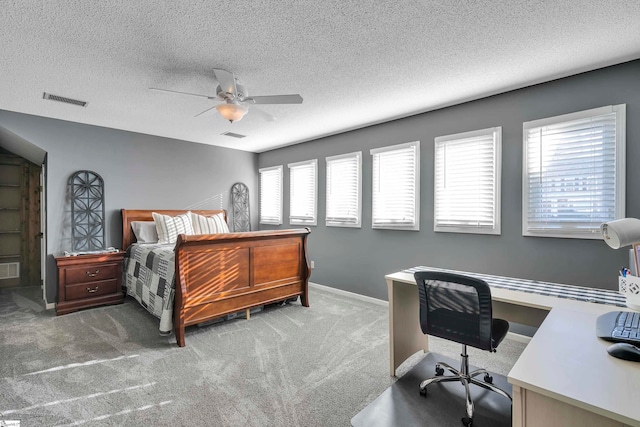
[169, 227]
[209, 225]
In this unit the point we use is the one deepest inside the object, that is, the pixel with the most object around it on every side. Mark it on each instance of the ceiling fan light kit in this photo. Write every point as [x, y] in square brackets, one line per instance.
[232, 112]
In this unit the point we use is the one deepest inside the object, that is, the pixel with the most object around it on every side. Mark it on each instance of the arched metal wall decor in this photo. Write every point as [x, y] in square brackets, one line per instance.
[87, 211]
[240, 207]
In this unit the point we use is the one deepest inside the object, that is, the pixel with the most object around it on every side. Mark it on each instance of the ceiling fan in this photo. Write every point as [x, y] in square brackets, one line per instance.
[236, 98]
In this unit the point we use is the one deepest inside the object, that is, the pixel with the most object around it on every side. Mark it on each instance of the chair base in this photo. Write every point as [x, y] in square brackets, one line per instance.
[465, 377]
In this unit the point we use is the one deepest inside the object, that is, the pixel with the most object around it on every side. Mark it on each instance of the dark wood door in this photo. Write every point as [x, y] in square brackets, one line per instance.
[19, 222]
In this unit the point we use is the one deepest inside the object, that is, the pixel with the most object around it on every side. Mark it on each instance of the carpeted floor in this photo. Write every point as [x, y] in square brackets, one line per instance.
[286, 366]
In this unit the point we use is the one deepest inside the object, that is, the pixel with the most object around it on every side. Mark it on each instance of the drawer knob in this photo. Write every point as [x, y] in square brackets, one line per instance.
[90, 274]
[92, 290]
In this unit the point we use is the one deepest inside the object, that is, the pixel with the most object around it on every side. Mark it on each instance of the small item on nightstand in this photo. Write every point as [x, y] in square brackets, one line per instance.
[108, 250]
[625, 351]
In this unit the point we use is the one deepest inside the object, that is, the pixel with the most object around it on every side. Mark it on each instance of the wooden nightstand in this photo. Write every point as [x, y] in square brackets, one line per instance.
[89, 281]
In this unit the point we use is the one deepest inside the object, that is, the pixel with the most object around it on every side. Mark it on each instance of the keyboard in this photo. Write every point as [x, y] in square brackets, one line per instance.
[619, 326]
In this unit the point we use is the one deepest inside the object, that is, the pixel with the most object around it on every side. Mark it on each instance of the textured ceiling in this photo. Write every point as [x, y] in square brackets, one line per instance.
[355, 62]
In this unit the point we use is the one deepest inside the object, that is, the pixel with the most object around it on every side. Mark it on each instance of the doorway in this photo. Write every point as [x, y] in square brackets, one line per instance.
[20, 222]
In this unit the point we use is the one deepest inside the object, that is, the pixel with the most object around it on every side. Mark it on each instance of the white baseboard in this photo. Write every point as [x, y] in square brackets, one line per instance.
[350, 294]
[49, 305]
[511, 335]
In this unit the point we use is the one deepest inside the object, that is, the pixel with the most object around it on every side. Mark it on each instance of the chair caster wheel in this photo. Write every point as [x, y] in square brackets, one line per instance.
[423, 392]
[488, 379]
[439, 370]
[467, 422]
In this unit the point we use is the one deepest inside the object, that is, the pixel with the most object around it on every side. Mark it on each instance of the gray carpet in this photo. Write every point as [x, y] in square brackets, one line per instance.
[286, 366]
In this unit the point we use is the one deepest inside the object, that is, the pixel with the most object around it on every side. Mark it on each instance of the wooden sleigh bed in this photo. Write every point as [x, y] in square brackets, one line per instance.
[219, 274]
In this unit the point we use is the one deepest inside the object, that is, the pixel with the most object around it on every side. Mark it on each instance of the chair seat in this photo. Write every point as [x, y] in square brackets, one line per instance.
[499, 329]
[462, 328]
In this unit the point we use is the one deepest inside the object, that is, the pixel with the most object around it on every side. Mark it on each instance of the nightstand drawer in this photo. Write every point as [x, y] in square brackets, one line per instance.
[91, 289]
[90, 273]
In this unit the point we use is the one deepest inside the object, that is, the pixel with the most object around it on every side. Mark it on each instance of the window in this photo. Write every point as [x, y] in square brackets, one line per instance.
[574, 173]
[344, 190]
[467, 182]
[271, 195]
[396, 187]
[303, 185]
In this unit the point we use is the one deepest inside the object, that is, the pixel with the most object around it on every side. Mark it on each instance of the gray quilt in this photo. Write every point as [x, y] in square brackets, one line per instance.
[149, 278]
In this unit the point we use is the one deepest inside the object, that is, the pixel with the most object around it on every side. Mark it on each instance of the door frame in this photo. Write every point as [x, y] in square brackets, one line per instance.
[43, 230]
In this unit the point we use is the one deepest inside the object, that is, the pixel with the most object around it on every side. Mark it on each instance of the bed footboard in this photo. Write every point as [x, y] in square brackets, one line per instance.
[219, 274]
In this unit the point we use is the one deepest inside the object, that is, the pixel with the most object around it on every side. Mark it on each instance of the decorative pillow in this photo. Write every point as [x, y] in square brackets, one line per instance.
[145, 231]
[209, 225]
[169, 227]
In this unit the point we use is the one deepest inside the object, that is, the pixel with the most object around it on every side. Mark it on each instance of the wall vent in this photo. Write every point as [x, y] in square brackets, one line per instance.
[233, 135]
[58, 98]
[9, 270]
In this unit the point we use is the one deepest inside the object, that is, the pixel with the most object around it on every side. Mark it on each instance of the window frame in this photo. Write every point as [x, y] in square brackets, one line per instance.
[335, 223]
[620, 169]
[416, 225]
[314, 220]
[497, 179]
[260, 172]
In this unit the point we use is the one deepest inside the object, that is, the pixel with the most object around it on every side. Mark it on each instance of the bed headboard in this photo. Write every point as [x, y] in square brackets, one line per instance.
[129, 215]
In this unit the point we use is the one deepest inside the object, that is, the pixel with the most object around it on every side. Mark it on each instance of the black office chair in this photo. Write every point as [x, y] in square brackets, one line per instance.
[458, 308]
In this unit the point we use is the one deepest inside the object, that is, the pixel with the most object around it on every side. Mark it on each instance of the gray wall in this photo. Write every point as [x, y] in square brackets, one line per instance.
[140, 172]
[357, 259]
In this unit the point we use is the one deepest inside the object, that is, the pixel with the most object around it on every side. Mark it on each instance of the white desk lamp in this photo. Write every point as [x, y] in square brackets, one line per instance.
[621, 232]
[618, 234]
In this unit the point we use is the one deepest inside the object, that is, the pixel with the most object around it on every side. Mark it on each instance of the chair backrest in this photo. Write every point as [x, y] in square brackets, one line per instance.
[456, 308]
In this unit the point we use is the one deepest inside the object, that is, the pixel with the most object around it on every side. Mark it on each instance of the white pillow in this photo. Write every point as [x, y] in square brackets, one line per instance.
[169, 227]
[209, 225]
[145, 231]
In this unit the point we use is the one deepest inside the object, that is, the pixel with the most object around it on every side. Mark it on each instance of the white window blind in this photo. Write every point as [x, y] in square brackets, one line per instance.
[271, 195]
[396, 187]
[574, 173]
[303, 179]
[344, 188]
[467, 182]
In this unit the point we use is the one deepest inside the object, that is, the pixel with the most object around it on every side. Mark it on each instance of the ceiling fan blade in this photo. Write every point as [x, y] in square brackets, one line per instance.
[227, 81]
[208, 109]
[267, 116]
[182, 93]
[275, 99]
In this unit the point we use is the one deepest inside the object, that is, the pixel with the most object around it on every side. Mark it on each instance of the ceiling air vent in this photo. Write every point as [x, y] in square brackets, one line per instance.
[233, 135]
[58, 98]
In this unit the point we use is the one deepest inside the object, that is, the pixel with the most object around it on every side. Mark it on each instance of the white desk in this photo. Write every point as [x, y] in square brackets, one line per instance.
[561, 379]
[565, 376]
